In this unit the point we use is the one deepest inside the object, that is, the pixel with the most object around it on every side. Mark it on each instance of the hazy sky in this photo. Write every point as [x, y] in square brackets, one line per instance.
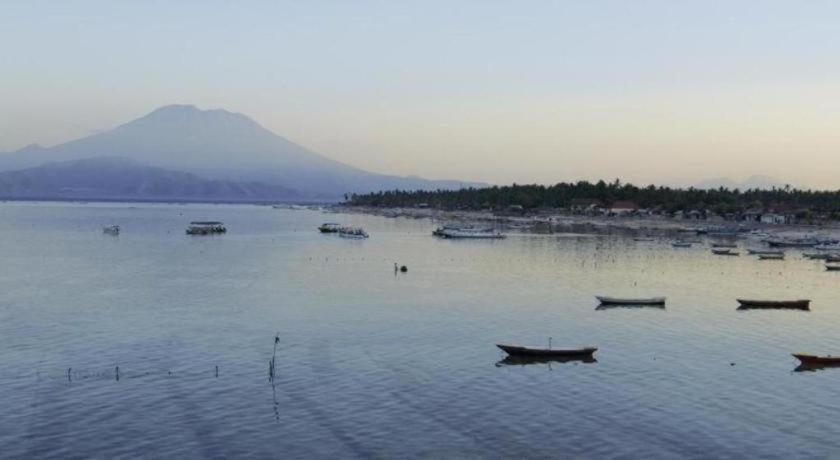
[649, 91]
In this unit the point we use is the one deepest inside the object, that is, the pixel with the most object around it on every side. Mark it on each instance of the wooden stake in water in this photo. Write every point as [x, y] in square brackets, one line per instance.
[549, 343]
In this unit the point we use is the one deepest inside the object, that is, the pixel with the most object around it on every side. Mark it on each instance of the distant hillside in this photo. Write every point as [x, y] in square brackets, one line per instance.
[120, 178]
[217, 144]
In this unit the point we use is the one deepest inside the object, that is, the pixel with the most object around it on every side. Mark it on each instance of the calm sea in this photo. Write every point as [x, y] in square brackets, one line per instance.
[373, 364]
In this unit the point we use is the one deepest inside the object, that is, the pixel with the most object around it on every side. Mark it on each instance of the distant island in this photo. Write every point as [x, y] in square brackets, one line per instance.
[776, 205]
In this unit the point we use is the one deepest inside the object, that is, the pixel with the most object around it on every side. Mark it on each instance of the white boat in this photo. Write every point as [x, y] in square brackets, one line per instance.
[471, 233]
[625, 301]
[355, 233]
[111, 230]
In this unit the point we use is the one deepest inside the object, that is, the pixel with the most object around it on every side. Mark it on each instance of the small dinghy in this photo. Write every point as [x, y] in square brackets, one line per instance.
[802, 304]
[765, 252]
[771, 257]
[681, 244]
[619, 301]
[725, 252]
[812, 360]
[522, 351]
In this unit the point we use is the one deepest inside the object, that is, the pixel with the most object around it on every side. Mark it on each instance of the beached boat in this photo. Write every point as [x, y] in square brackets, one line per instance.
[816, 255]
[111, 230]
[725, 252]
[206, 228]
[809, 359]
[832, 268]
[519, 350]
[329, 227]
[801, 304]
[759, 252]
[643, 238]
[771, 257]
[486, 233]
[681, 244]
[355, 233]
[828, 247]
[626, 301]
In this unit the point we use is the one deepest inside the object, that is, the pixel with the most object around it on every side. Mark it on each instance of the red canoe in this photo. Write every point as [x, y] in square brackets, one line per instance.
[806, 358]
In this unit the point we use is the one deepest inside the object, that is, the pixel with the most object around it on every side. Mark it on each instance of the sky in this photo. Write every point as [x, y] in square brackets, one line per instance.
[495, 91]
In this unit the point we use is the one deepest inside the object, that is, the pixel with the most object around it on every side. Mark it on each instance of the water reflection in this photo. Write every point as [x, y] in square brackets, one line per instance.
[512, 360]
[814, 367]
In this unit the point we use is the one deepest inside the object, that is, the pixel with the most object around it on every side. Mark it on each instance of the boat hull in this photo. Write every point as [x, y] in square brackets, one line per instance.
[518, 350]
[801, 304]
[617, 301]
[809, 359]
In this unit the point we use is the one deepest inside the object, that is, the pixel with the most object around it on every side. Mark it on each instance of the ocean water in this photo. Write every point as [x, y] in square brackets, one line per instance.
[373, 364]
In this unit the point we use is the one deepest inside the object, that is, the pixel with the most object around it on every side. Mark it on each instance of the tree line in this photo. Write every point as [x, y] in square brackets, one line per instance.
[562, 195]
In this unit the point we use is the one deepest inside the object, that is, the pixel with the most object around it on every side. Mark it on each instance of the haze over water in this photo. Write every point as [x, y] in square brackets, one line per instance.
[376, 365]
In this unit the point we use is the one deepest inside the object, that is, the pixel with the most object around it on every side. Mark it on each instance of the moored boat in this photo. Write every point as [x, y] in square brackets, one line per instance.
[792, 243]
[486, 233]
[832, 268]
[809, 359]
[356, 233]
[759, 252]
[725, 252]
[771, 257]
[206, 228]
[724, 245]
[801, 304]
[681, 244]
[626, 301]
[519, 350]
[329, 227]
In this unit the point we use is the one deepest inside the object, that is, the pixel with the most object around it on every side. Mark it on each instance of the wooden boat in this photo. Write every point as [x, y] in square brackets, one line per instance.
[802, 304]
[809, 359]
[484, 233]
[771, 257]
[832, 268]
[724, 245]
[681, 244]
[725, 252]
[760, 252]
[519, 350]
[206, 228]
[524, 360]
[619, 301]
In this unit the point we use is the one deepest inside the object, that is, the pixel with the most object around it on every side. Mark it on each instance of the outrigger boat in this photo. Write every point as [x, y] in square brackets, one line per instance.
[725, 252]
[618, 301]
[802, 304]
[522, 351]
[681, 244]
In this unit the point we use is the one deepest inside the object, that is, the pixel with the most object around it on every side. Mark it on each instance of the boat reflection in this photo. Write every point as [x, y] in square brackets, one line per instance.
[815, 367]
[518, 360]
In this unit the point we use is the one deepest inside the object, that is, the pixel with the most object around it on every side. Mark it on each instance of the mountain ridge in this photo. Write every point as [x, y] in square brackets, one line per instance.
[218, 144]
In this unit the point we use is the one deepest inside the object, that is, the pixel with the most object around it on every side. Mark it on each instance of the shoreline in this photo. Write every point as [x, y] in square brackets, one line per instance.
[556, 221]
